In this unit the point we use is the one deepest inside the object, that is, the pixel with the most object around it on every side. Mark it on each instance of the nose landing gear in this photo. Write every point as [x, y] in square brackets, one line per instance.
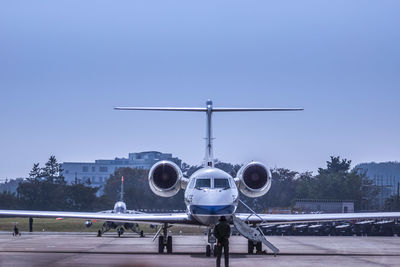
[120, 231]
[211, 248]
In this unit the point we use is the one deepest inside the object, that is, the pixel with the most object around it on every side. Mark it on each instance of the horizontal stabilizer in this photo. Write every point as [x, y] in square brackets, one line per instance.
[161, 108]
[205, 109]
[255, 109]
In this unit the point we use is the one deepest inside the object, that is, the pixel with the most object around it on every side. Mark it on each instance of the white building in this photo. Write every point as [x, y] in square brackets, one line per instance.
[99, 171]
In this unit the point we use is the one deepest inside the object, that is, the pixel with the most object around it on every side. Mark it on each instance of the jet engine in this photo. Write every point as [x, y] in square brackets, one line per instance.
[254, 179]
[88, 223]
[165, 178]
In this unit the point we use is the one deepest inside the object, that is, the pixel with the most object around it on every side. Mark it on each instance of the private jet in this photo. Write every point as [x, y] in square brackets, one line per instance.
[119, 208]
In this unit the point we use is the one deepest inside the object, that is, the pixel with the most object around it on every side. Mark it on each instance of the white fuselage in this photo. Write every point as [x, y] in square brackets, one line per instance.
[119, 208]
[210, 194]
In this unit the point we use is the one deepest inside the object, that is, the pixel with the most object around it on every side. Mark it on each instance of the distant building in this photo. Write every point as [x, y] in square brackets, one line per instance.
[385, 176]
[99, 171]
[324, 206]
[10, 185]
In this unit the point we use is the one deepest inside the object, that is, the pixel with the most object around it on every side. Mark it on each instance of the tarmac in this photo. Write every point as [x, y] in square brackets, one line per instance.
[85, 249]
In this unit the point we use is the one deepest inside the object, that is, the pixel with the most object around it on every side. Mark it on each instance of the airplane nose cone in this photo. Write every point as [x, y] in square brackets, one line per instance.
[212, 210]
[213, 202]
[211, 197]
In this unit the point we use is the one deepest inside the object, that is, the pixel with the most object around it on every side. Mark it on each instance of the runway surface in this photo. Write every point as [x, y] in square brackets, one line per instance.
[85, 249]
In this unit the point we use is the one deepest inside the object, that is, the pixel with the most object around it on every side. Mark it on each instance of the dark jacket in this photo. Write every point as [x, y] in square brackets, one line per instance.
[222, 232]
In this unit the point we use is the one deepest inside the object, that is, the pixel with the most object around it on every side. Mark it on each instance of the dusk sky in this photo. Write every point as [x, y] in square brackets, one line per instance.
[64, 65]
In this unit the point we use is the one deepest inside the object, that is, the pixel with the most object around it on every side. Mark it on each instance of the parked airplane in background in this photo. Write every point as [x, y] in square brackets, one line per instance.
[119, 208]
[209, 194]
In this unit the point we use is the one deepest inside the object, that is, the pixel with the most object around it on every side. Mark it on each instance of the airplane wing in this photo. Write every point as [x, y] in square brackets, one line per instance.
[134, 212]
[304, 218]
[173, 218]
[127, 211]
[106, 211]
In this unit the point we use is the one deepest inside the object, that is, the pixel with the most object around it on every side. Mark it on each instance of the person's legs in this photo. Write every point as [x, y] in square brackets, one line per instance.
[226, 254]
[219, 253]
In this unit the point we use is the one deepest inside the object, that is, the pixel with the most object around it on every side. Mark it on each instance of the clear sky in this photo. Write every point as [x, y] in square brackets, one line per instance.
[65, 64]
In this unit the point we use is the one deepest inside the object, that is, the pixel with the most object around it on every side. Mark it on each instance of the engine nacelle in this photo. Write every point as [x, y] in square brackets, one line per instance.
[254, 179]
[88, 223]
[165, 178]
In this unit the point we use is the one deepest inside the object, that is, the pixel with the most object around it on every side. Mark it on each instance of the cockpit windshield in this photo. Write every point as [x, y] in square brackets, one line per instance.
[203, 183]
[119, 207]
[119, 210]
[221, 183]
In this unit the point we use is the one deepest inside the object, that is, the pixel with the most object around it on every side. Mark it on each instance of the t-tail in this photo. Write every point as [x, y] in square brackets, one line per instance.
[209, 110]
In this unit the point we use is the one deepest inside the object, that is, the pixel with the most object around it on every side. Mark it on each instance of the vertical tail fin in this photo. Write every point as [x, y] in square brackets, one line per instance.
[122, 189]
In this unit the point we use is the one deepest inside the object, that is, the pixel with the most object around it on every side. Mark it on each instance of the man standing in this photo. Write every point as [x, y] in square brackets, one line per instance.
[30, 224]
[16, 230]
[222, 232]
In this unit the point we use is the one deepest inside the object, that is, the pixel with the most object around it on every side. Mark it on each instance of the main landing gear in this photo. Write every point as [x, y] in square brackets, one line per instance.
[165, 241]
[105, 228]
[254, 235]
[135, 228]
[251, 245]
[211, 248]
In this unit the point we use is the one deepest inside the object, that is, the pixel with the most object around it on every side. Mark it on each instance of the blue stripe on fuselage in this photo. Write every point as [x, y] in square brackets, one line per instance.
[212, 210]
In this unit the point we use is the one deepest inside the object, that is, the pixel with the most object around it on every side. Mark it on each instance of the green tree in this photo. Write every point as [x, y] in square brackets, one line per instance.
[36, 172]
[42, 195]
[38, 194]
[228, 167]
[393, 203]
[9, 200]
[281, 194]
[305, 185]
[53, 171]
[80, 197]
[338, 182]
[46, 189]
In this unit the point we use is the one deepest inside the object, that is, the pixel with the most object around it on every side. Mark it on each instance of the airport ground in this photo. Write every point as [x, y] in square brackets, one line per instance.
[85, 249]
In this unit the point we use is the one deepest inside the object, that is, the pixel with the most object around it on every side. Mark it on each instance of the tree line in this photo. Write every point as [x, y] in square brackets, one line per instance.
[46, 189]
[337, 181]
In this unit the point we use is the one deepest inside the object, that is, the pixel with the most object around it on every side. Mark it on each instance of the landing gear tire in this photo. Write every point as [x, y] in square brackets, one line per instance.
[161, 244]
[258, 247]
[250, 246]
[208, 250]
[141, 234]
[99, 233]
[169, 244]
[215, 251]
